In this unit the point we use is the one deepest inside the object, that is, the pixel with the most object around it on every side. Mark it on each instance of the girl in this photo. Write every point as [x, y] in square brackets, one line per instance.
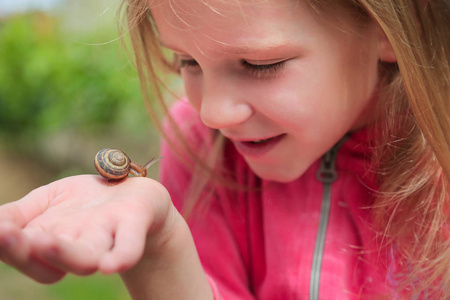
[310, 159]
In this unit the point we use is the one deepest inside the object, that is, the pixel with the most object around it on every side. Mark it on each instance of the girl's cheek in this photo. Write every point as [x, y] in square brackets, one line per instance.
[193, 89]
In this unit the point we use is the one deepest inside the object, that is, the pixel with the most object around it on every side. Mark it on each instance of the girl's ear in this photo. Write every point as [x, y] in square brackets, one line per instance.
[386, 53]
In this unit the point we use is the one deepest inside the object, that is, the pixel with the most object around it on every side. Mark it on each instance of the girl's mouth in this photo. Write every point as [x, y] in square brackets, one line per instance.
[257, 148]
[259, 141]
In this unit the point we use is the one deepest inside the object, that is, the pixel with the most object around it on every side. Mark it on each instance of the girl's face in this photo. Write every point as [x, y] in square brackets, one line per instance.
[281, 84]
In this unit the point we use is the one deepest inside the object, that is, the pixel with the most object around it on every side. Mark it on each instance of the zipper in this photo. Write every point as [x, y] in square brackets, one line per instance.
[327, 175]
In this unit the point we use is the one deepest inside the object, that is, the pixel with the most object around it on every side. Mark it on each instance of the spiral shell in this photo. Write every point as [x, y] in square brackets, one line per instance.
[112, 164]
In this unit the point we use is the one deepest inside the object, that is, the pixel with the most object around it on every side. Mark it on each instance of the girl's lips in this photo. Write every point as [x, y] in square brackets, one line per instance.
[257, 148]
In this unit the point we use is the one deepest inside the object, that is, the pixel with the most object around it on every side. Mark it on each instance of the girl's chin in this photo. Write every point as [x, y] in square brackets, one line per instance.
[281, 174]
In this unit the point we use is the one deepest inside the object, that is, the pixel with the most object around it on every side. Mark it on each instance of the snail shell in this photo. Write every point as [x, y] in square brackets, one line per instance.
[112, 164]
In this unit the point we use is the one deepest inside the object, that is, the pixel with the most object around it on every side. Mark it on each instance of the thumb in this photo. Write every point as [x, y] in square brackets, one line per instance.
[22, 211]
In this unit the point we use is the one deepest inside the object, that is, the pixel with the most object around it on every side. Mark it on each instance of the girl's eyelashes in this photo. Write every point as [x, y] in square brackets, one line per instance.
[186, 63]
[257, 70]
[263, 71]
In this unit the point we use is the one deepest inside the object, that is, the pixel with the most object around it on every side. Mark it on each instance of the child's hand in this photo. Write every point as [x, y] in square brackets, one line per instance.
[82, 224]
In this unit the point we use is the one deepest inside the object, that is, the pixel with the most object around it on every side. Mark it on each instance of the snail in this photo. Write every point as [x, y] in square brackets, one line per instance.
[113, 165]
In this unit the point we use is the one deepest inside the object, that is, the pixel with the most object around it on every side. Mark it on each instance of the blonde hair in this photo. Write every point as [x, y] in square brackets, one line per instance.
[415, 166]
[413, 153]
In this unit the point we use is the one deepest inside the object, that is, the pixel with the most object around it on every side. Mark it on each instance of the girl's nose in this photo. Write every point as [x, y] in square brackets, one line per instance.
[222, 105]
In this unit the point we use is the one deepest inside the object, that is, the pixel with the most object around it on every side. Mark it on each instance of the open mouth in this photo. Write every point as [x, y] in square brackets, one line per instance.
[260, 141]
[258, 147]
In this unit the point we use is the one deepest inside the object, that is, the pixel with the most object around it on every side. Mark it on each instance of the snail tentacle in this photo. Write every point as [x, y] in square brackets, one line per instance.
[152, 161]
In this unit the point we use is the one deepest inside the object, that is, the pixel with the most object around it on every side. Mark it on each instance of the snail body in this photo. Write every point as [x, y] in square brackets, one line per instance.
[113, 164]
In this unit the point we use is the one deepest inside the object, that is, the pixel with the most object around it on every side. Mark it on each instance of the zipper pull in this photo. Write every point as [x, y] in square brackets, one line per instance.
[327, 172]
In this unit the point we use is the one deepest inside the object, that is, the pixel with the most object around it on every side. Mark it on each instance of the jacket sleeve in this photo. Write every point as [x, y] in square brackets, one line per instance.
[216, 241]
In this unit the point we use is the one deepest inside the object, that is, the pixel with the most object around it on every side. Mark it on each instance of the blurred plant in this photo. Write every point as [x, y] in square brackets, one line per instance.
[49, 82]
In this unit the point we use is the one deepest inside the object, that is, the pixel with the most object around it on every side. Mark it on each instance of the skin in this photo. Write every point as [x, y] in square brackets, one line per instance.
[324, 88]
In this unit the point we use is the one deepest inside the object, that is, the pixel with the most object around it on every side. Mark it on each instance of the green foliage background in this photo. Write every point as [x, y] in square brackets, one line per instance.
[50, 82]
[65, 93]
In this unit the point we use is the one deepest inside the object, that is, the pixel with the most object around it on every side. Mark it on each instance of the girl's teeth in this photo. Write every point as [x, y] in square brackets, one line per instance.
[260, 141]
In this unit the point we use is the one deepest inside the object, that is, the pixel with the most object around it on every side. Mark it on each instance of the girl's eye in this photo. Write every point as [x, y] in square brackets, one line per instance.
[259, 71]
[187, 63]
[263, 71]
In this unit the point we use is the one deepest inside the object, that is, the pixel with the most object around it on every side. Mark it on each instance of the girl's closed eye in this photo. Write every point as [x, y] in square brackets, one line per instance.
[187, 63]
[259, 70]
[263, 70]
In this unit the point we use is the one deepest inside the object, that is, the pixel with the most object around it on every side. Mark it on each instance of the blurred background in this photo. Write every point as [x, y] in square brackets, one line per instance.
[67, 89]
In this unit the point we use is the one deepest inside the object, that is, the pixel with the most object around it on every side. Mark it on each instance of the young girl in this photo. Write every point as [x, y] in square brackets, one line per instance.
[310, 159]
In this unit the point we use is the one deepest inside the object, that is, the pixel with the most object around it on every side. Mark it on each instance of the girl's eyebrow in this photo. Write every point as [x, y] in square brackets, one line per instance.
[260, 46]
[164, 45]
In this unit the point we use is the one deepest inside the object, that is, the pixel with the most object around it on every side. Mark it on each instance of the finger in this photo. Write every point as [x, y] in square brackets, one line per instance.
[67, 255]
[22, 211]
[35, 203]
[15, 251]
[129, 243]
[97, 241]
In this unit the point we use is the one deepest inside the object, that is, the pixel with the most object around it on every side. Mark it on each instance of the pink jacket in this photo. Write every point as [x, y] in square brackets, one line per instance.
[282, 240]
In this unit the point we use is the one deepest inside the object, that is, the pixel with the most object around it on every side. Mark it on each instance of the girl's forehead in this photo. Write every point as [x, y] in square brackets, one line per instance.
[231, 22]
[197, 13]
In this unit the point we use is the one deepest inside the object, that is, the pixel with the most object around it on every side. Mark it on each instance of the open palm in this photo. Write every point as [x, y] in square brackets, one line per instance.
[81, 225]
